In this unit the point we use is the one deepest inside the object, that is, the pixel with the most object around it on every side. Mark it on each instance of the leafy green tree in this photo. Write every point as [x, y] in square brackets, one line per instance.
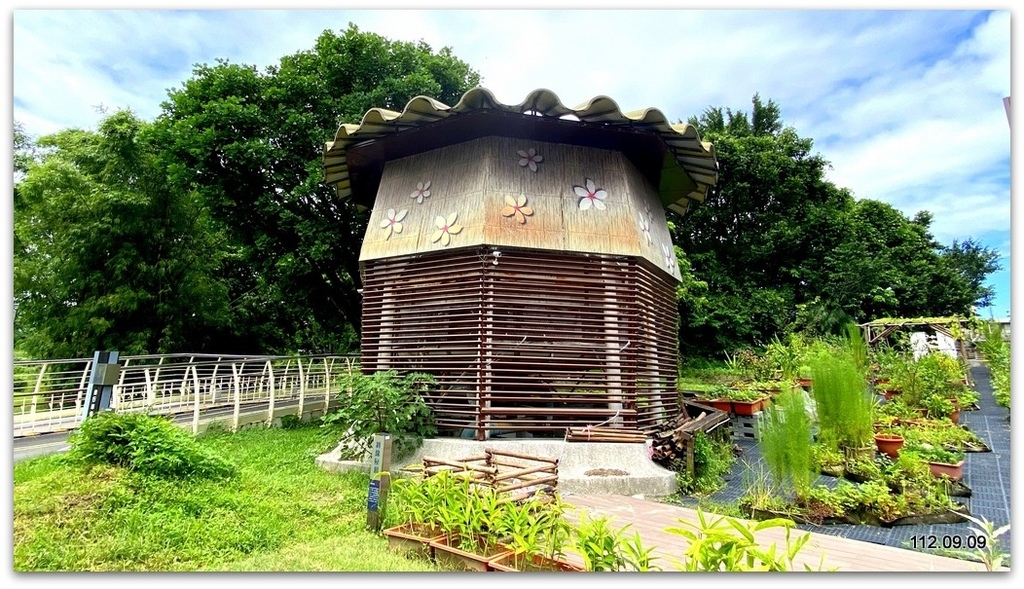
[106, 257]
[250, 144]
[778, 247]
[972, 263]
[771, 215]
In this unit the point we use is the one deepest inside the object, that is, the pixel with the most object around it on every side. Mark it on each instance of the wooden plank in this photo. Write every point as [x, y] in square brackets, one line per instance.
[650, 518]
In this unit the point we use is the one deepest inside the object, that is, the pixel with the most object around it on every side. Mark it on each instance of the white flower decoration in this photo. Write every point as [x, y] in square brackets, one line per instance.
[670, 256]
[529, 158]
[516, 206]
[446, 228]
[393, 222]
[645, 226]
[591, 196]
[422, 191]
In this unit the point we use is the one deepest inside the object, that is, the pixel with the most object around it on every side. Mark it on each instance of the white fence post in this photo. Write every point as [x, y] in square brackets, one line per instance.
[238, 395]
[270, 407]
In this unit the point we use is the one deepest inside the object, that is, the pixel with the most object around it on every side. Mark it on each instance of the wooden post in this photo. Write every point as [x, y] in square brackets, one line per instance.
[380, 478]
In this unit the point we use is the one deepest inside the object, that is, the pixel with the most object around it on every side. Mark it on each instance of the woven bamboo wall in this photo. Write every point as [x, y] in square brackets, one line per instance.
[469, 186]
[530, 340]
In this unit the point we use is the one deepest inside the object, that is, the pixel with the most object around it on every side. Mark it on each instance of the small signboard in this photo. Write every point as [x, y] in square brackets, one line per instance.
[380, 463]
[373, 497]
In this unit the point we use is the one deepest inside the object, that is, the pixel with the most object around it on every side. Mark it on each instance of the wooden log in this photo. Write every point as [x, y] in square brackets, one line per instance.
[520, 473]
[530, 483]
[492, 452]
[461, 465]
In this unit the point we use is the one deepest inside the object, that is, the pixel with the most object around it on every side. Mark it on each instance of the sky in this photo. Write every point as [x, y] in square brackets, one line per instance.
[905, 104]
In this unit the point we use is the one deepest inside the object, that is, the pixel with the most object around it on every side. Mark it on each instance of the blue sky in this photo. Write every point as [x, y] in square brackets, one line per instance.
[907, 105]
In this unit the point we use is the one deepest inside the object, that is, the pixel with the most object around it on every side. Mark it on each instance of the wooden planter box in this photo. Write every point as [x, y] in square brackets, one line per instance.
[447, 554]
[953, 471]
[412, 539]
[532, 562]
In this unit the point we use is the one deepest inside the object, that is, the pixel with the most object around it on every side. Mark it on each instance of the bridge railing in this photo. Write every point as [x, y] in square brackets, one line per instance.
[49, 395]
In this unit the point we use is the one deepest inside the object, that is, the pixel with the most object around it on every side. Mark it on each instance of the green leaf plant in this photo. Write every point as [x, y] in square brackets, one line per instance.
[727, 544]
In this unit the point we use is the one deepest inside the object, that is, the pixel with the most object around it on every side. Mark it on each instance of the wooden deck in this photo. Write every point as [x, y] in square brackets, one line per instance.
[840, 554]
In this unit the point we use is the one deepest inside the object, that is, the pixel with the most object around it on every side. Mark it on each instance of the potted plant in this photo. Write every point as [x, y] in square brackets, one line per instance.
[939, 406]
[804, 376]
[785, 440]
[718, 398]
[844, 405]
[746, 400]
[536, 531]
[468, 519]
[412, 512]
[942, 461]
[889, 441]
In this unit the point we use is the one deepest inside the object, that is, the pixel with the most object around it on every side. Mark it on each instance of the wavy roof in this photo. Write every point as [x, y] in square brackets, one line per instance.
[691, 155]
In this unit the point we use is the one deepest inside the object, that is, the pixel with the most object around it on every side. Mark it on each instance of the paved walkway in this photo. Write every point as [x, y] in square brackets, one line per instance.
[823, 551]
[851, 547]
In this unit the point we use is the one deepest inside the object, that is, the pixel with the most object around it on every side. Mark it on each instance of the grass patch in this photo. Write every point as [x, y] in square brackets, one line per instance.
[277, 508]
[358, 551]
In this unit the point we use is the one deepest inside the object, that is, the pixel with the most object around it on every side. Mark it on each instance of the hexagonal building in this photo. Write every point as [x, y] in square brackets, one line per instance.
[520, 253]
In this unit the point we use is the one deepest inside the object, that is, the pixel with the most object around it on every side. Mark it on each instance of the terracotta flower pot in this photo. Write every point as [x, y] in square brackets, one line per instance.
[953, 471]
[955, 415]
[889, 444]
[746, 407]
[722, 404]
[890, 393]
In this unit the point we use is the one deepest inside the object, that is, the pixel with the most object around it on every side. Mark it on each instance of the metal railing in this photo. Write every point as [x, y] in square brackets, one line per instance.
[49, 395]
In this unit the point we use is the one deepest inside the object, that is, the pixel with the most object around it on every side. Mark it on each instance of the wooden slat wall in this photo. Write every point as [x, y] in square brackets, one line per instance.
[539, 342]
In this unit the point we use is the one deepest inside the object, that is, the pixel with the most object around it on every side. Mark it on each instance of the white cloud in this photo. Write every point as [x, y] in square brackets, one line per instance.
[905, 104]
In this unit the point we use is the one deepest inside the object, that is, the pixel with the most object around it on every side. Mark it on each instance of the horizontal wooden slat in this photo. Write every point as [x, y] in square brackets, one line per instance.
[540, 342]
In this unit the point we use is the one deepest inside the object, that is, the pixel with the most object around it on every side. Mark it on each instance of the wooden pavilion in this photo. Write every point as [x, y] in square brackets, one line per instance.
[520, 253]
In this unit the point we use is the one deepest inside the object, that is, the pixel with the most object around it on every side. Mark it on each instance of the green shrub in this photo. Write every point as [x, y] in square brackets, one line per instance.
[144, 443]
[383, 402]
[995, 352]
[843, 403]
[712, 459]
[786, 440]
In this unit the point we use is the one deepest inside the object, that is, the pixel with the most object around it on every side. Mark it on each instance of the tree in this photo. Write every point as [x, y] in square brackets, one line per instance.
[771, 217]
[106, 257]
[972, 263]
[250, 144]
[779, 247]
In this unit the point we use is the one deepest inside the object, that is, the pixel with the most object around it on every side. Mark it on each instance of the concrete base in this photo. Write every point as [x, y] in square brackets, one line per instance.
[575, 460]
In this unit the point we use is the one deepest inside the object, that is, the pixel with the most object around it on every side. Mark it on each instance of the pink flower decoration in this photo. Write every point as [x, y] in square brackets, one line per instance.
[591, 196]
[393, 221]
[645, 226]
[422, 191]
[516, 206]
[446, 228]
[529, 158]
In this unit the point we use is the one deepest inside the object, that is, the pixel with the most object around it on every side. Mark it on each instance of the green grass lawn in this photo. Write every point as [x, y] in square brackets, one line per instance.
[278, 512]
